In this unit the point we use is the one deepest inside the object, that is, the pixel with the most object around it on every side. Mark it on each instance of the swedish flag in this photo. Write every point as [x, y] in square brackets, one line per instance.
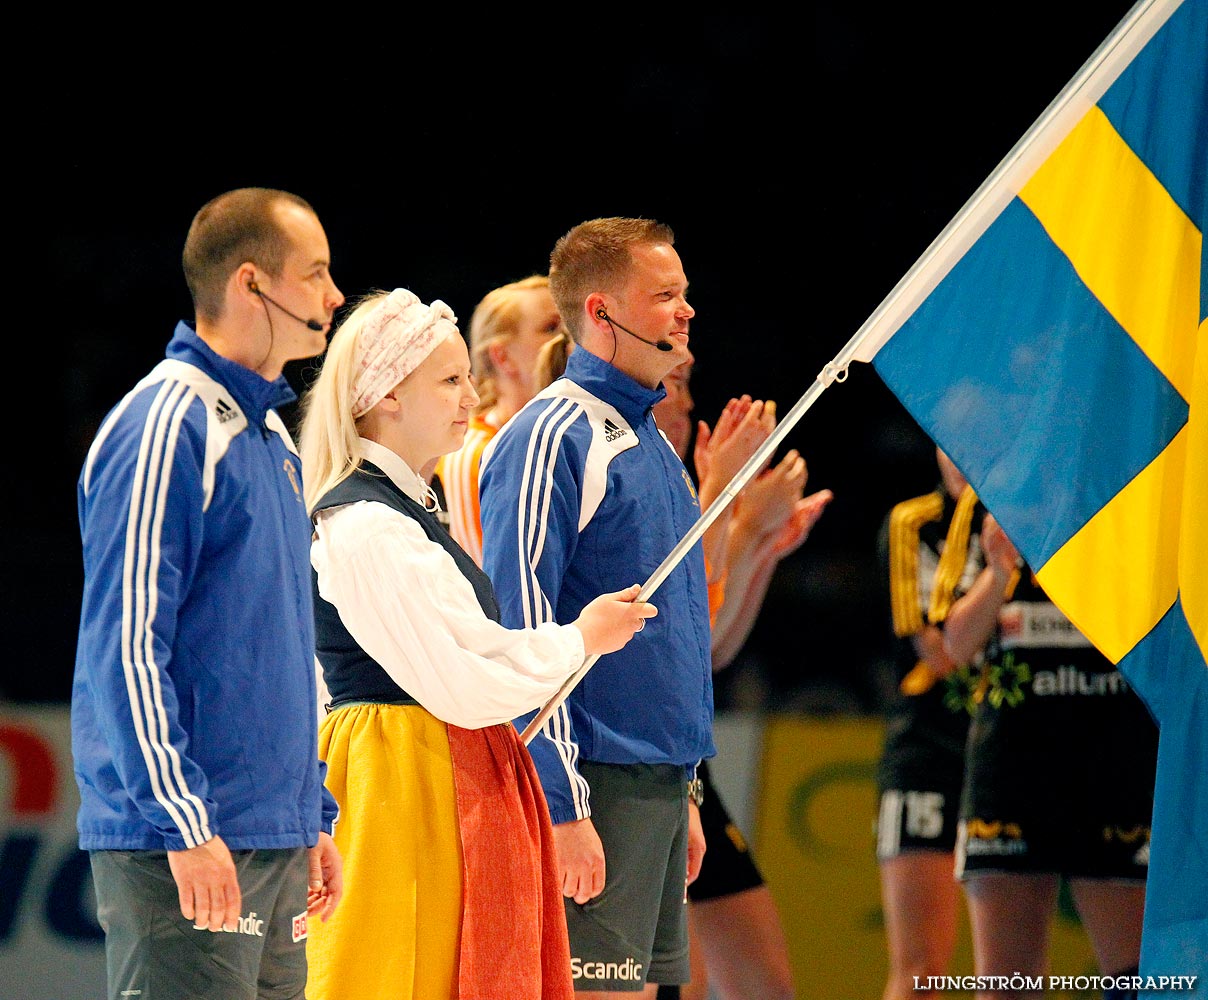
[1062, 362]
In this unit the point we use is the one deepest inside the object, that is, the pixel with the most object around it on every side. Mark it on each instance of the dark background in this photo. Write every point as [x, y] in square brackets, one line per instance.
[804, 162]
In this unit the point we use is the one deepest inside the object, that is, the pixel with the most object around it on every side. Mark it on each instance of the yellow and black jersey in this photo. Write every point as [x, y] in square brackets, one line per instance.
[930, 555]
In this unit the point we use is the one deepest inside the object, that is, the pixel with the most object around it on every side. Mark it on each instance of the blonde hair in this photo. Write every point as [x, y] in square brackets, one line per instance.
[328, 436]
[551, 359]
[496, 318]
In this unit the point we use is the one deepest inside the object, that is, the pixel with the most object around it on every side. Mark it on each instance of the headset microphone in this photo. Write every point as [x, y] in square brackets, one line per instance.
[312, 324]
[662, 345]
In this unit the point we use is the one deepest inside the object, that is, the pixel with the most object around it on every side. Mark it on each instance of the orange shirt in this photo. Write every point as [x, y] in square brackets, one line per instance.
[458, 474]
[717, 592]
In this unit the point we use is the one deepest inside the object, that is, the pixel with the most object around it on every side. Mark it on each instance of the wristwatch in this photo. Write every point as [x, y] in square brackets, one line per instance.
[696, 792]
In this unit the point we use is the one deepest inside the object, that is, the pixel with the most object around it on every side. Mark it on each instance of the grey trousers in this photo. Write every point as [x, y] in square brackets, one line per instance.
[154, 953]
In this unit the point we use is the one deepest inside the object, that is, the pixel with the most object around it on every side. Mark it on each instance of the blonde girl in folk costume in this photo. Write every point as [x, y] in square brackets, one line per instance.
[450, 875]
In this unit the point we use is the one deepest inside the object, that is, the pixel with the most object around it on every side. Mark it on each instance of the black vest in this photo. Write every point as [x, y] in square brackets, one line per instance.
[350, 673]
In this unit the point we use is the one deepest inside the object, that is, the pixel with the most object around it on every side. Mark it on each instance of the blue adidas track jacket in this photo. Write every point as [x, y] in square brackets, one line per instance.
[582, 494]
[194, 705]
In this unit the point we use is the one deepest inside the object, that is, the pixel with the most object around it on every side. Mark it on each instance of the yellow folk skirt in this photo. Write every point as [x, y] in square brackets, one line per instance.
[450, 884]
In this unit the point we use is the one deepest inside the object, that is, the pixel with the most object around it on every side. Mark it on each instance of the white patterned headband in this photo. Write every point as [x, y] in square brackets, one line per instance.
[395, 338]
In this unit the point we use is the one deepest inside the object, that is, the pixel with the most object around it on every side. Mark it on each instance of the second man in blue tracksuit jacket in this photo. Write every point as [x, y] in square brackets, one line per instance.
[581, 492]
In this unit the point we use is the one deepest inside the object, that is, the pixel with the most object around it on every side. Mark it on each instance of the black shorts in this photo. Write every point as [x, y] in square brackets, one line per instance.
[728, 867]
[922, 818]
[919, 779]
[1060, 784]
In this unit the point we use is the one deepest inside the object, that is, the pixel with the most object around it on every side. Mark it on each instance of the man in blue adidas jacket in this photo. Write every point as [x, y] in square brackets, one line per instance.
[580, 492]
[194, 719]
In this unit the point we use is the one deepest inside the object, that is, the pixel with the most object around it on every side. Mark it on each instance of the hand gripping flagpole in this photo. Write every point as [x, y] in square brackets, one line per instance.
[836, 371]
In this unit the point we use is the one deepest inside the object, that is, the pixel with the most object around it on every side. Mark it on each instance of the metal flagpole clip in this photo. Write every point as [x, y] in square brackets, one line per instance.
[834, 373]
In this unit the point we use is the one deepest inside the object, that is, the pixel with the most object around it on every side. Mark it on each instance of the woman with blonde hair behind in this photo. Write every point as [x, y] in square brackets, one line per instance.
[450, 877]
[508, 332]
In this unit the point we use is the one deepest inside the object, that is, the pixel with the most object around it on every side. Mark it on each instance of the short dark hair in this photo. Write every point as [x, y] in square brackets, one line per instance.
[596, 256]
[235, 227]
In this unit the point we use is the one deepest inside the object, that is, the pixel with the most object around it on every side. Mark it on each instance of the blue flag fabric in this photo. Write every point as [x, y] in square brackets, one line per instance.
[1062, 363]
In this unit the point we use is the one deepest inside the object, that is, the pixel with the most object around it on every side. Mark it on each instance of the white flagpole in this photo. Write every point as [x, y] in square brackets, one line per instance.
[970, 223]
[831, 373]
